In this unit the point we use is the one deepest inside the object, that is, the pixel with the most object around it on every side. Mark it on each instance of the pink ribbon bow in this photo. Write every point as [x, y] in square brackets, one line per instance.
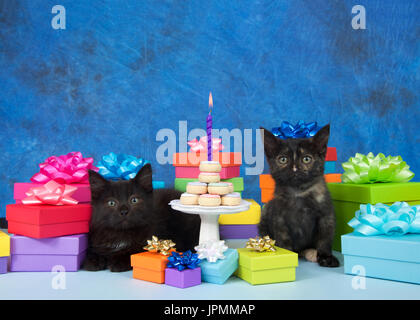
[51, 193]
[69, 168]
[201, 145]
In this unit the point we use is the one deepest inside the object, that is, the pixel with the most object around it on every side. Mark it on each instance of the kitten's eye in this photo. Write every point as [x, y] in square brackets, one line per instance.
[134, 200]
[283, 160]
[306, 159]
[112, 203]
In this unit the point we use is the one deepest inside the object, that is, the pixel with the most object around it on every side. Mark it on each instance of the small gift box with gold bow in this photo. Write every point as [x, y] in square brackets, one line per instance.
[151, 265]
[261, 262]
[49, 211]
[4, 251]
[370, 179]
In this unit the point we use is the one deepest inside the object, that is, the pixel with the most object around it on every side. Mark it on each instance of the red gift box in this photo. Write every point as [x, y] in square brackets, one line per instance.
[45, 221]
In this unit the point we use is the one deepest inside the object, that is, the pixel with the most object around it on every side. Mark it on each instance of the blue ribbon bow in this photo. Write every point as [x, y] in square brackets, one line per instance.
[120, 166]
[300, 130]
[398, 219]
[183, 261]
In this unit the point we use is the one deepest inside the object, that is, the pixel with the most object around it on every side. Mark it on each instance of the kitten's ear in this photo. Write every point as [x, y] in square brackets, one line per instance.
[97, 184]
[144, 178]
[320, 140]
[271, 143]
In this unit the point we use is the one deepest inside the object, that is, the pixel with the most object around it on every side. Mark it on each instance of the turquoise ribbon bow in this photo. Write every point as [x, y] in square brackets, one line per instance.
[398, 219]
[120, 166]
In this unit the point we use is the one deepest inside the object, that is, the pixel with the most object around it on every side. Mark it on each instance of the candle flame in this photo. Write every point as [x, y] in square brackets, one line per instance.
[210, 101]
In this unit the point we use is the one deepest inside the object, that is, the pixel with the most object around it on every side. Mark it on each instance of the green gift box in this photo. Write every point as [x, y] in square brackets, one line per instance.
[238, 183]
[267, 267]
[348, 197]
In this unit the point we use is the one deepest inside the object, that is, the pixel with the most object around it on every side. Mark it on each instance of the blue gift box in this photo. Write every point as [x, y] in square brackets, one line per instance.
[218, 272]
[158, 184]
[329, 167]
[385, 257]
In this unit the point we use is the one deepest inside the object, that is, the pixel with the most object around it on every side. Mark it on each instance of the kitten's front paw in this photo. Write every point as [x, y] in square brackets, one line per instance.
[120, 266]
[94, 263]
[328, 261]
[310, 255]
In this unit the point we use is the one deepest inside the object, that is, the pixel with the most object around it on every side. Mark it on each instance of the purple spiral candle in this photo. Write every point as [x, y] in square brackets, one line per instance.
[209, 127]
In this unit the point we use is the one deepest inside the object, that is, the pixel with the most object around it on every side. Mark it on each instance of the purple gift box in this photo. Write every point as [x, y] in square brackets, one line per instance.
[3, 264]
[183, 279]
[28, 254]
[238, 231]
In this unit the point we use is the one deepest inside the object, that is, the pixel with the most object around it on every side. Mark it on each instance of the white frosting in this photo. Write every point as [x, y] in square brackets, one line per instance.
[233, 194]
[218, 184]
[210, 162]
[186, 194]
[197, 183]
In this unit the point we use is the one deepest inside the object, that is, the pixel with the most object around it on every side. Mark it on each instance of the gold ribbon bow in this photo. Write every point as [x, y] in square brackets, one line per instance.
[162, 246]
[261, 244]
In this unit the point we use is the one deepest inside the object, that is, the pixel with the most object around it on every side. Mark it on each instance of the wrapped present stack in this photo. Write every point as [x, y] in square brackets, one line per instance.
[4, 251]
[369, 179]
[162, 264]
[241, 225]
[50, 219]
[300, 130]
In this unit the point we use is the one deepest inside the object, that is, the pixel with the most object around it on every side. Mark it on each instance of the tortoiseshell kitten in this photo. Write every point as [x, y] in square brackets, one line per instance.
[301, 216]
[127, 213]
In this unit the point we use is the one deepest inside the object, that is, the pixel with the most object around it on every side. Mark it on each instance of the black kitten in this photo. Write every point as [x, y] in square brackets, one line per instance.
[126, 214]
[301, 216]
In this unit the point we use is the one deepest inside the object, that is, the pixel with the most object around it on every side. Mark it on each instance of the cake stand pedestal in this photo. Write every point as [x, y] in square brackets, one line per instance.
[209, 229]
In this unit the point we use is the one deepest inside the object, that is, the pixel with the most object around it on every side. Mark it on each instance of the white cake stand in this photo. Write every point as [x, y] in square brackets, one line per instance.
[209, 229]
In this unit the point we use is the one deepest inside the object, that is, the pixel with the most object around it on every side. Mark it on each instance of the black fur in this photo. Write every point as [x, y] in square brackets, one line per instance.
[3, 223]
[121, 227]
[301, 215]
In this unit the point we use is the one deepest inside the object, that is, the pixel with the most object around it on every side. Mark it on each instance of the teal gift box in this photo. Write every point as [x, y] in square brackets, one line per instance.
[218, 272]
[329, 167]
[383, 256]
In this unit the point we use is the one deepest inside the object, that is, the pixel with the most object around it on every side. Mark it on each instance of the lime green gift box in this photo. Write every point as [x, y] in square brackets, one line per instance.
[347, 198]
[237, 182]
[267, 267]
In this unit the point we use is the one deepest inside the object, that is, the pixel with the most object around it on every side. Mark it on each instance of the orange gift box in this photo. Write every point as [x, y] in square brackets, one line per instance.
[333, 178]
[149, 266]
[267, 184]
[192, 159]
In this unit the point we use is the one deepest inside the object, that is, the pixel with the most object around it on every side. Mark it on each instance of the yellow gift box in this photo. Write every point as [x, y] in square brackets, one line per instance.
[4, 244]
[251, 216]
[267, 267]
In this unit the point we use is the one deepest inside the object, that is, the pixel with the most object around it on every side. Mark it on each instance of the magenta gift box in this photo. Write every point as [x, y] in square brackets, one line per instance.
[28, 254]
[3, 264]
[238, 231]
[82, 194]
[183, 279]
[193, 172]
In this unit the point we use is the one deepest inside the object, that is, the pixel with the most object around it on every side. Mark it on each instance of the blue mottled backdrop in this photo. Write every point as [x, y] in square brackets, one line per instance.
[124, 69]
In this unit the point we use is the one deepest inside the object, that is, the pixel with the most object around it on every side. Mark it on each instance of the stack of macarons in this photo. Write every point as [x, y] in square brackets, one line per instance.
[208, 190]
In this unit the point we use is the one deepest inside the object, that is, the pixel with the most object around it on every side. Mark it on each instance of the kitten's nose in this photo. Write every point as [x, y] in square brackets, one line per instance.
[124, 211]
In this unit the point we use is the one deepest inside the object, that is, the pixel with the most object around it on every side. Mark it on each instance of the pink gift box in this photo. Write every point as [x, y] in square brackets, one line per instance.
[82, 194]
[193, 172]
